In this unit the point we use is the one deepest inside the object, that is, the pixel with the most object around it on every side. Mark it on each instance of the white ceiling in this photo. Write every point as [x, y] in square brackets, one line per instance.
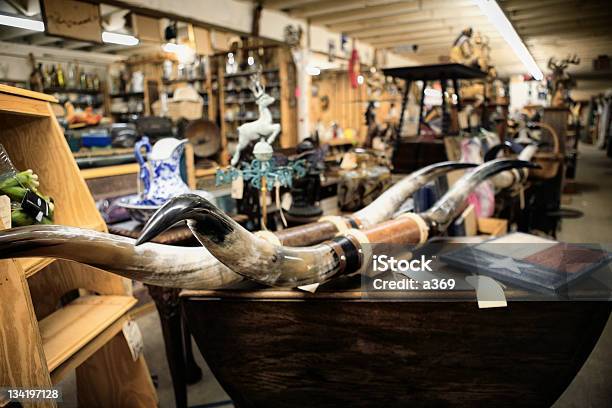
[548, 27]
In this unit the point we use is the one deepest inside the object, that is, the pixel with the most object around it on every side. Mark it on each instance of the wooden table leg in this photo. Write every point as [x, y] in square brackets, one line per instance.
[193, 372]
[167, 303]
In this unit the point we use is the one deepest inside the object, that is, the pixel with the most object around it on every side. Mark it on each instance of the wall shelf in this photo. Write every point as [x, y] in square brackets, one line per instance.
[127, 95]
[67, 330]
[247, 73]
[73, 91]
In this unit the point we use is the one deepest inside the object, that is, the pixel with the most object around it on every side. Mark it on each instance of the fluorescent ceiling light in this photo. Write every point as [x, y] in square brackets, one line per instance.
[26, 23]
[121, 39]
[184, 53]
[497, 17]
[312, 70]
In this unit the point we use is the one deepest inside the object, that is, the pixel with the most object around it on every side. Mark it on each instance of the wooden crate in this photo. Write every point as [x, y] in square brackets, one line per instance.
[41, 342]
[492, 226]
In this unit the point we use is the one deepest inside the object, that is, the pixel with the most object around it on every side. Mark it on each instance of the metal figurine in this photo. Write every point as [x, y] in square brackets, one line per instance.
[263, 173]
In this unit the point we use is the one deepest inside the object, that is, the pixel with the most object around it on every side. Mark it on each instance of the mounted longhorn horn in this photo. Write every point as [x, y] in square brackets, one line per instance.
[155, 264]
[277, 265]
[162, 265]
[379, 210]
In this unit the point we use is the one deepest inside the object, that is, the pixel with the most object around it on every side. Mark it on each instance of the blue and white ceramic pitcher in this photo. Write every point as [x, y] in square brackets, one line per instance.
[160, 174]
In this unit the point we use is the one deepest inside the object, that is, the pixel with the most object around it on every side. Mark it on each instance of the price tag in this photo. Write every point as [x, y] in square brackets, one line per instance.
[237, 188]
[35, 205]
[5, 211]
[286, 201]
[133, 337]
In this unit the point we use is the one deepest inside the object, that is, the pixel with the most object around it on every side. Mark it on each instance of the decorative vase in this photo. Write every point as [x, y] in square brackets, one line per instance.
[160, 172]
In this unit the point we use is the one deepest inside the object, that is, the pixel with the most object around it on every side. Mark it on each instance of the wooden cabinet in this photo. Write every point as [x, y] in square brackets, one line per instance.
[43, 336]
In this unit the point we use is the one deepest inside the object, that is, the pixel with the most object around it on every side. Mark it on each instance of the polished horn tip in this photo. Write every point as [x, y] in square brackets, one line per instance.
[459, 165]
[175, 210]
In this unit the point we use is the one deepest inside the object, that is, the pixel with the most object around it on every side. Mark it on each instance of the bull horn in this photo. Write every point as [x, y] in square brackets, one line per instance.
[241, 251]
[155, 264]
[161, 265]
[390, 201]
[381, 209]
[447, 208]
[277, 265]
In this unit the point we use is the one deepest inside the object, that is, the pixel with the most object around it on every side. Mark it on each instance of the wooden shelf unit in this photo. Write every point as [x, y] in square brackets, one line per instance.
[41, 342]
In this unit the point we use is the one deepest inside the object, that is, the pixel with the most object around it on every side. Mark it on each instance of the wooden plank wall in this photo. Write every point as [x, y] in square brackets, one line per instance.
[347, 105]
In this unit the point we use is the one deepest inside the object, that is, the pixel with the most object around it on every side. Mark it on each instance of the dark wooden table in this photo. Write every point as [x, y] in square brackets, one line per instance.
[177, 338]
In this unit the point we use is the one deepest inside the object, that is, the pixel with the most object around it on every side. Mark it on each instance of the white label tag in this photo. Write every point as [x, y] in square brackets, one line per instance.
[489, 292]
[133, 336]
[5, 211]
[286, 201]
[309, 288]
[237, 188]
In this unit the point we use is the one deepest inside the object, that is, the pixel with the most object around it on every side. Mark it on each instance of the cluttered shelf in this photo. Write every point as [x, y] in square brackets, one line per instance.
[81, 91]
[247, 73]
[108, 171]
[127, 95]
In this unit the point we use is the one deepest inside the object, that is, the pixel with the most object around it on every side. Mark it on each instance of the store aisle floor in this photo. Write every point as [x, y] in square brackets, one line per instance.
[207, 392]
[593, 198]
[591, 387]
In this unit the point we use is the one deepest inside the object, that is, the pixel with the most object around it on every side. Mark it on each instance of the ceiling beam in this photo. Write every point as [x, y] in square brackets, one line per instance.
[449, 34]
[54, 53]
[407, 18]
[571, 9]
[26, 7]
[10, 33]
[41, 39]
[512, 5]
[391, 10]
[570, 18]
[108, 48]
[325, 6]
[447, 41]
[366, 13]
[75, 45]
[285, 4]
[579, 27]
[322, 7]
[444, 24]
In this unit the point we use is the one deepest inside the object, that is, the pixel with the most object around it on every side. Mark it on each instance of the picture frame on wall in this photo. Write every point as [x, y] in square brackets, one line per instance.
[72, 19]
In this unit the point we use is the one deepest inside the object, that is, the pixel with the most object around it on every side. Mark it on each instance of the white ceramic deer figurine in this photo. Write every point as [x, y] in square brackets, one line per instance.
[262, 127]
